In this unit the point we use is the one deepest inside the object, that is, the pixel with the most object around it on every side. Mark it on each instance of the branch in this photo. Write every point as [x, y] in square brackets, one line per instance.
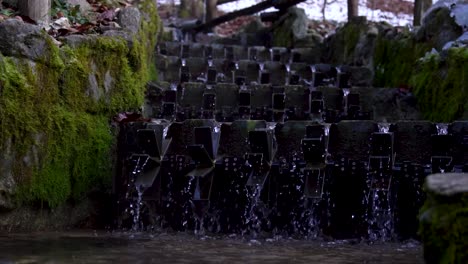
[222, 2]
[233, 15]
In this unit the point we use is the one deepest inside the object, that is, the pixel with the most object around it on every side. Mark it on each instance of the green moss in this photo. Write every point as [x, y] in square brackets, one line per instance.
[444, 228]
[283, 34]
[51, 98]
[344, 42]
[351, 36]
[441, 85]
[395, 60]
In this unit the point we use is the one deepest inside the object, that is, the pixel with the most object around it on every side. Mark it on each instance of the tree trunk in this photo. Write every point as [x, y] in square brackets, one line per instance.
[184, 8]
[352, 8]
[420, 7]
[211, 10]
[37, 10]
[222, 2]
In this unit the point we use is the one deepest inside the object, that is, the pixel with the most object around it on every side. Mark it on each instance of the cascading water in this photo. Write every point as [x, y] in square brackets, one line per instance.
[251, 215]
[187, 195]
[346, 92]
[135, 202]
[379, 216]
[442, 129]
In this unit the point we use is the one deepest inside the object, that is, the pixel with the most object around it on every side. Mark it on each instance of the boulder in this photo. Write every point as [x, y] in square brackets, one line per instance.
[290, 28]
[24, 40]
[130, 18]
[353, 43]
[443, 22]
[444, 218]
[85, 7]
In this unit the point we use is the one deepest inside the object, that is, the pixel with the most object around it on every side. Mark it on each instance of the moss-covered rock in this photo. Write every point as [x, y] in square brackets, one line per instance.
[441, 85]
[444, 219]
[396, 58]
[439, 25]
[291, 27]
[55, 113]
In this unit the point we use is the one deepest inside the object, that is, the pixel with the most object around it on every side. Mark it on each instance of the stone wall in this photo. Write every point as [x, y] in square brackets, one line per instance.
[56, 104]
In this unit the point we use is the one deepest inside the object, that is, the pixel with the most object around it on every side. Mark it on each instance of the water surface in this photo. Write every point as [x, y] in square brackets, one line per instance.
[119, 247]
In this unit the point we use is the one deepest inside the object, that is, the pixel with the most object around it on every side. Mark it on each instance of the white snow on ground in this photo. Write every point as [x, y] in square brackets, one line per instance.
[336, 11]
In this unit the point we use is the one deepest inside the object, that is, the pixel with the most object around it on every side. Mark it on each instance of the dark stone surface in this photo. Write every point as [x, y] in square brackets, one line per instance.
[234, 137]
[351, 139]
[182, 134]
[413, 141]
[459, 129]
[289, 136]
[19, 39]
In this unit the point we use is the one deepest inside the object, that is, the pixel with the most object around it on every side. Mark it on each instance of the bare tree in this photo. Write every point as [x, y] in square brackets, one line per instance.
[324, 6]
[352, 8]
[420, 7]
[37, 10]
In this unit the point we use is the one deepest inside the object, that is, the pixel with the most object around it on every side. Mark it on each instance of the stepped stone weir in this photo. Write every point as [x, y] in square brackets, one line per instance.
[250, 139]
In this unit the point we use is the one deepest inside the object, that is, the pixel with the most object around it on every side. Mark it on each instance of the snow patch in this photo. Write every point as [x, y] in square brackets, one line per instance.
[336, 11]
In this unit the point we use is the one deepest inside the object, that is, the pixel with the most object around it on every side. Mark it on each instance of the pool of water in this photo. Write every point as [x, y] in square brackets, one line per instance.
[120, 247]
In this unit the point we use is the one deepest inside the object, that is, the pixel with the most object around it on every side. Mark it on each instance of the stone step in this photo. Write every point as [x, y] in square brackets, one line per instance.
[297, 101]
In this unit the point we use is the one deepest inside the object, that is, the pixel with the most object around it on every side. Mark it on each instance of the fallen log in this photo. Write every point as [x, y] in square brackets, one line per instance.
[279, 4]
[222, 2]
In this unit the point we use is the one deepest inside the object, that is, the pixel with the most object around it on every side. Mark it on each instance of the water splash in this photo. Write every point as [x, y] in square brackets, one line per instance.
[442, 129]
[217, 128]
[136, 215]
[184, 63]
[384, 127]
[271, 125]
[252, 219]
[380, 216]
[379, 213]
[261, 65]
[346, 92]
[135, 203]
[326, 129]
[210, 63]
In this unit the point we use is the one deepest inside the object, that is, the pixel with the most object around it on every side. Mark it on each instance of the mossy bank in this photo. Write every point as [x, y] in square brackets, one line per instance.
[56, 136]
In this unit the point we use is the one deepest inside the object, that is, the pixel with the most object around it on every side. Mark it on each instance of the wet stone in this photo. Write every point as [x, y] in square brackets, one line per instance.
[351, 139]
[459, 129]
[234, 137]
[412, 141]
